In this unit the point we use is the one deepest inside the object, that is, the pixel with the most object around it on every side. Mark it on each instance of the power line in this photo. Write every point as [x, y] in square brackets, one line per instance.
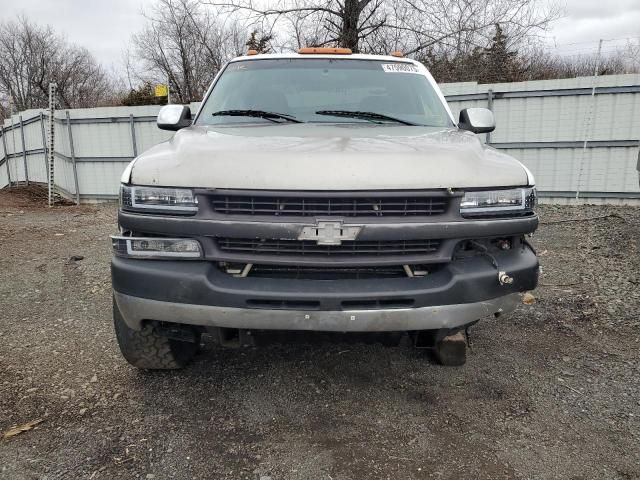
[595, 42]
[591, 51]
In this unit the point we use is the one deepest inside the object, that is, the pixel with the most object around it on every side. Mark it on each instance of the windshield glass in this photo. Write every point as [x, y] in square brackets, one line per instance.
[300, 88]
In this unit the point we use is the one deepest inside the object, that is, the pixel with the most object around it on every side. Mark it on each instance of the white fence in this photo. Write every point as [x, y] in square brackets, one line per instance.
[545, 125]
[542, 123]
[92, 148]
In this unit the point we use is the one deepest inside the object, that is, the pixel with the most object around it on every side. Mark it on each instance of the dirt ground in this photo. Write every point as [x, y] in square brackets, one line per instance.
[551, 391]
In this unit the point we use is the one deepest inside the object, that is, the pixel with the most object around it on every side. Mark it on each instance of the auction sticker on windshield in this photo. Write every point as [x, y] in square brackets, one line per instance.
[400, 68]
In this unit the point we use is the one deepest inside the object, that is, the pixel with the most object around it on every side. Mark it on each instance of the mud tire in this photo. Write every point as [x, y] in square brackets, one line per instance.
[147, 350]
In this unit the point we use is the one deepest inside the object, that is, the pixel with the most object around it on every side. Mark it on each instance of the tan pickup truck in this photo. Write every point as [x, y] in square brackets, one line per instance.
[323, 191]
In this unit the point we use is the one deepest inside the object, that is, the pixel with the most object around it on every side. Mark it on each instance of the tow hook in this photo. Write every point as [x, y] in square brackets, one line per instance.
[504, 279]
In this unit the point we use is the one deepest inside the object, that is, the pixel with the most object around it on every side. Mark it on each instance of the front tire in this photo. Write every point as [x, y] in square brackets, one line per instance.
[148, 350]
[451, 351]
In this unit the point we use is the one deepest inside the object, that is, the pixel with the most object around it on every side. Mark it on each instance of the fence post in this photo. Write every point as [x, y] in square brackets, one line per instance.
[6, 155]
[73, 158]
[490, 107]
[50, 158]
[44, 144]
[24, 152]
[13, 141]
[133, 135]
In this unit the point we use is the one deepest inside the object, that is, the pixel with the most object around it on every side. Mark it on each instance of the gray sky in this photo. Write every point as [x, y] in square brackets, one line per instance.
[587, 21]
[104, 27]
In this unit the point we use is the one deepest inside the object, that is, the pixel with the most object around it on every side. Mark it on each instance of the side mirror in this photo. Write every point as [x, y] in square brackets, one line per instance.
[174, 117]
[477, 120]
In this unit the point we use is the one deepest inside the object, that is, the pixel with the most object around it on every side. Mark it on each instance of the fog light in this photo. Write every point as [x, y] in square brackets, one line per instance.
[150, 248]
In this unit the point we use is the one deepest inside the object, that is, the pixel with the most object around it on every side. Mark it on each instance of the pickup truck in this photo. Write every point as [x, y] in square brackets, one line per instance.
[319, 191]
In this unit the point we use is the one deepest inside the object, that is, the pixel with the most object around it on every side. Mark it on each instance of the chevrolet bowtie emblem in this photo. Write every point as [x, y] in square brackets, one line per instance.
[329, 232]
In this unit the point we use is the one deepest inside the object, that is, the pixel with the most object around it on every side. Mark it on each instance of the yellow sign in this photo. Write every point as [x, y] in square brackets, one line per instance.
[161, 90]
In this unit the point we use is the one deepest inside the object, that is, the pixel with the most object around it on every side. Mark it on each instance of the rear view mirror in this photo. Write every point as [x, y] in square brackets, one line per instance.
[477, 120]
[174, 117]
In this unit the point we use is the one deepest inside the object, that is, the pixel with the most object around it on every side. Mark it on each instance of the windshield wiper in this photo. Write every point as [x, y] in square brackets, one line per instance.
[257, 113]
[372, 116]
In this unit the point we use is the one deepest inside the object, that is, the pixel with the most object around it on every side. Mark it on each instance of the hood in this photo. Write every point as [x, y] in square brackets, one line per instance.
[325, 157]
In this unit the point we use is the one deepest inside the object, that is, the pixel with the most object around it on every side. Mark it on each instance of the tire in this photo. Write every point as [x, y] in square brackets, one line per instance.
[451, 351]
[148, 350]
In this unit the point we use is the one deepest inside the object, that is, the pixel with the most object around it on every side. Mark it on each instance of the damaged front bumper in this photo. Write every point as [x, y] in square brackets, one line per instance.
[136, 310]
[200, 293]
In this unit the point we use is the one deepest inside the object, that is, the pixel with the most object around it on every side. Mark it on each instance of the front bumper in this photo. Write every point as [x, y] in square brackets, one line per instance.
[197, 292]
[136, 310]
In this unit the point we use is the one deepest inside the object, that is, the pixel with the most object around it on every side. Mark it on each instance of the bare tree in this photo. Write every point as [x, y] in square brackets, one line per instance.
[32, 56]
[185, 45]
[497, 63]
[543, 65]
[380, 26]
[309, 22]
[25, 50]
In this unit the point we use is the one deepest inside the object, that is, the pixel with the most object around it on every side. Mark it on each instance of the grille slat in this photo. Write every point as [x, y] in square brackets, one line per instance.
[310, 247]
[329, 206]
[326, 273]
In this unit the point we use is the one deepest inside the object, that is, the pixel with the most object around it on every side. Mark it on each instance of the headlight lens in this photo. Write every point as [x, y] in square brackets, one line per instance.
[139, 247]
[497, 202]
[170, 200]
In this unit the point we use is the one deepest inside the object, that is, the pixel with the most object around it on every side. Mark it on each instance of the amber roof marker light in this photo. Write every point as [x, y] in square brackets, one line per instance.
[397, 54]
[325, 51]
[252, 52]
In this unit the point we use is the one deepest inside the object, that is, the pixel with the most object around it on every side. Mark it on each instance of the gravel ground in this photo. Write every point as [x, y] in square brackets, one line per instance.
[551, 391]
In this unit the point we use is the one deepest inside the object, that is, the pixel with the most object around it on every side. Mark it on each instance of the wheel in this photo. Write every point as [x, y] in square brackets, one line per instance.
[149, 350]
[451, 351]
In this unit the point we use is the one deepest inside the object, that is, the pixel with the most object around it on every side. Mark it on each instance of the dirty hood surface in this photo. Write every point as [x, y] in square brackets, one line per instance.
[325, 157]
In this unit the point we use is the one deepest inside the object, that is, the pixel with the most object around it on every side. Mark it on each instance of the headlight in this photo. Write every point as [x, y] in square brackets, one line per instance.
[514, 201]
[140, 247]
[157, 199]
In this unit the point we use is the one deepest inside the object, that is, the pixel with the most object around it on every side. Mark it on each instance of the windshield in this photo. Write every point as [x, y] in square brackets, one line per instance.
[323, 91]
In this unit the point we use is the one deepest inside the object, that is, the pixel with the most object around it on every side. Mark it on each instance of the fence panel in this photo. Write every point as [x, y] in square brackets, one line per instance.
[148, 135]
[100, 180]
[64, 178]
[4, 178]
[545, 124]
[37, 168]
[16, 167]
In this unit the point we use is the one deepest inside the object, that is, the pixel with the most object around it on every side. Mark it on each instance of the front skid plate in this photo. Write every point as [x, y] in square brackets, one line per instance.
[135, 310]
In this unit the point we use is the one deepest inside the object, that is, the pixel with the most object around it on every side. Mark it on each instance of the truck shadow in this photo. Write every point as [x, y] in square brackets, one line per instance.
[289, 371]
[328, 394]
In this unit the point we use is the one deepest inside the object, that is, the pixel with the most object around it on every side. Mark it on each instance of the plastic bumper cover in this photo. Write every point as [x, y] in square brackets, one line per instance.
[197, 292]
